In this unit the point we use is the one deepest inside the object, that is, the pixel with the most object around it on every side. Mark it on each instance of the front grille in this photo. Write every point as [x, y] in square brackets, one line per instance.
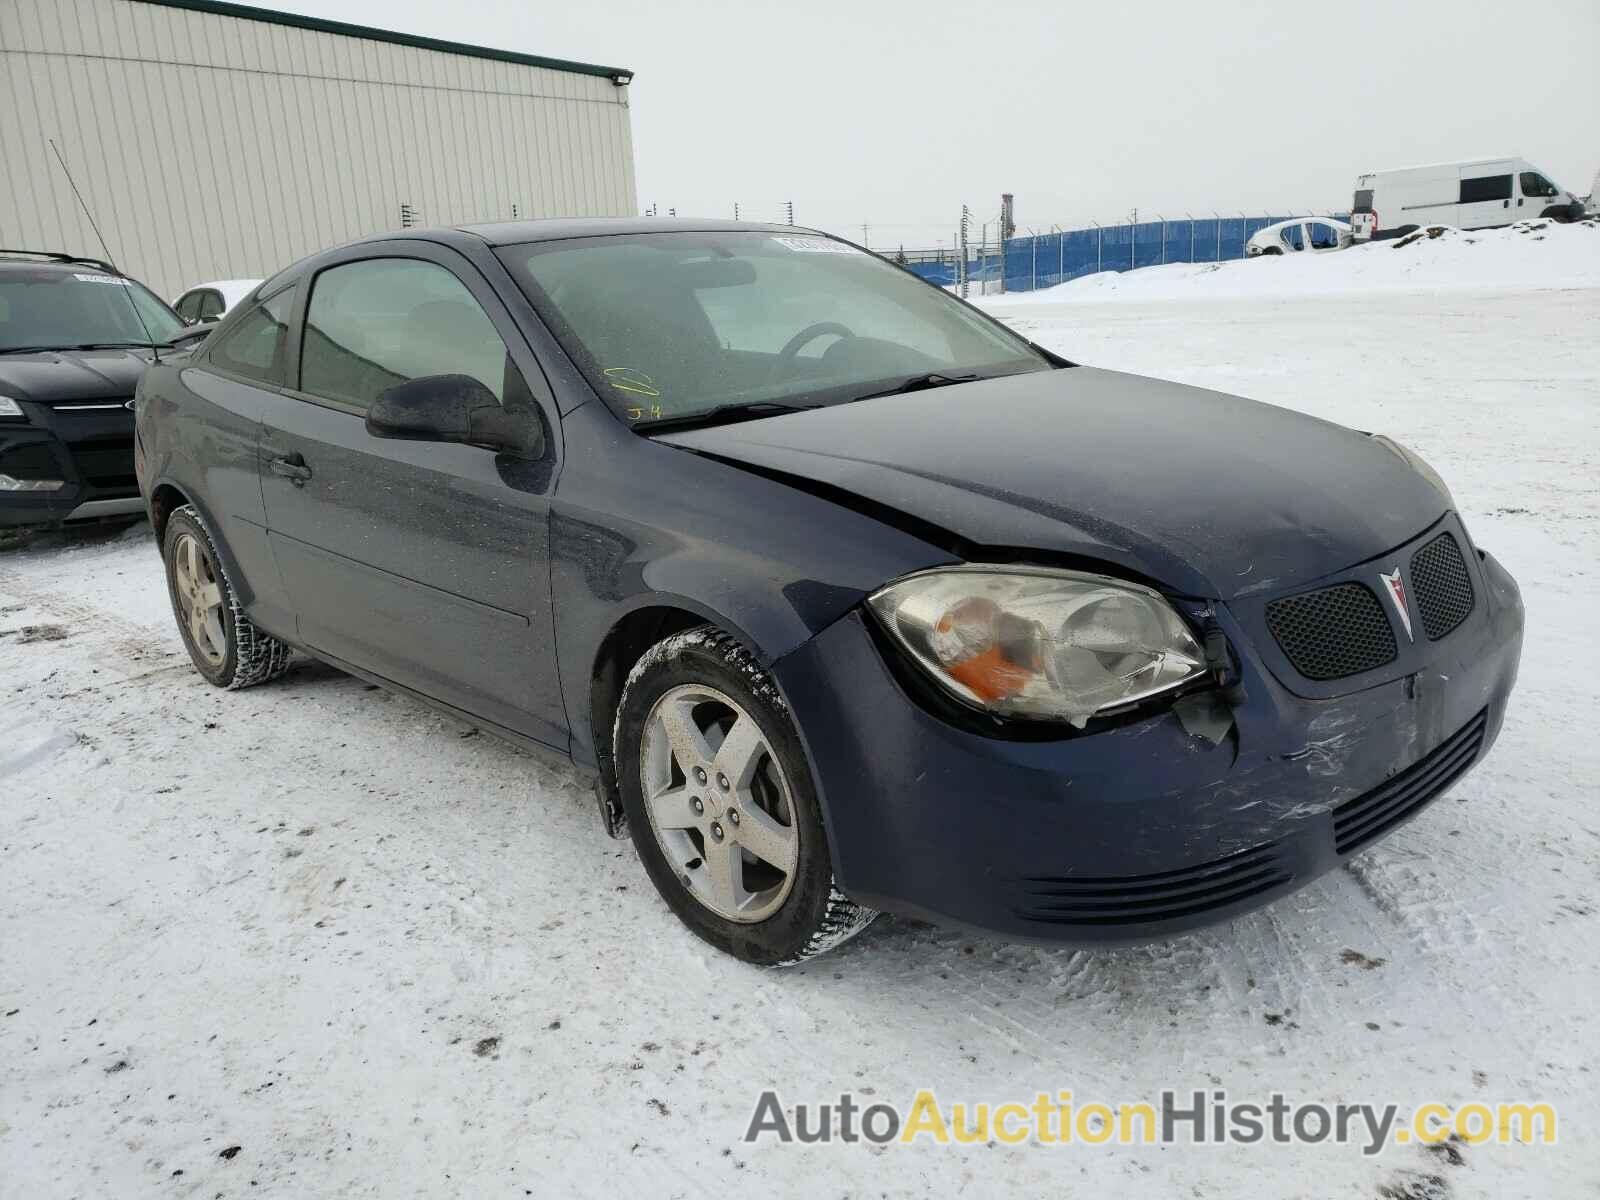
[34, 461]
[106, 465]
[1332, 632]
[1142, 899]
[1443, 587]
[1356, 822]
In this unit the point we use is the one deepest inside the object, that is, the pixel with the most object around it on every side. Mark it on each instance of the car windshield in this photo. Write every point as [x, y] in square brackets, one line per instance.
[670, 326]
[48, 308]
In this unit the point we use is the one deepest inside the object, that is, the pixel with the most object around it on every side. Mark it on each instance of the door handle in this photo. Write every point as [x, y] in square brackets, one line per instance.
[292, 467]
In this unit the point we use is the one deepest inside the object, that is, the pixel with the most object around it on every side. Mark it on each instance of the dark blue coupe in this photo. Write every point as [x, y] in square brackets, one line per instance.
[850, 598]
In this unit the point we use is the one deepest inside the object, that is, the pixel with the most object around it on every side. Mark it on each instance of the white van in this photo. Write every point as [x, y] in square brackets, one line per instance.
[1469, 195]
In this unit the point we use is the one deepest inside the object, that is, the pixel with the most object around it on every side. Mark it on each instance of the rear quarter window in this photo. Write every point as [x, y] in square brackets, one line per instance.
[254, 346]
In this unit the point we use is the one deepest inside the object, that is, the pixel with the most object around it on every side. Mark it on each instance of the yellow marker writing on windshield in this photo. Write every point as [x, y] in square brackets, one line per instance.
[627, 379]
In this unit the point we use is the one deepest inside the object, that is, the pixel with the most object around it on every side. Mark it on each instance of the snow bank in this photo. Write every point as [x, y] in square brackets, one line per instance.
[1527, 255]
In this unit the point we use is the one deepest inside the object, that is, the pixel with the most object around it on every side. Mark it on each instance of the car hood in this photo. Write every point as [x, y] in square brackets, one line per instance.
[56, 376]
[1207, 494]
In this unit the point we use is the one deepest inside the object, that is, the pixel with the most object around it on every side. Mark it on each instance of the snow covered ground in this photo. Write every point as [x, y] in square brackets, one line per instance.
[1538, 255]
[385, 957]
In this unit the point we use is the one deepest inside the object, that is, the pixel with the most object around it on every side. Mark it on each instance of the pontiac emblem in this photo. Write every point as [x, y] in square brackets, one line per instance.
[1397, 595]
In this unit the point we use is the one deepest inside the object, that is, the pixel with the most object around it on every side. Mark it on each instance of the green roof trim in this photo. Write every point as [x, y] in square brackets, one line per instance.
[244, 12]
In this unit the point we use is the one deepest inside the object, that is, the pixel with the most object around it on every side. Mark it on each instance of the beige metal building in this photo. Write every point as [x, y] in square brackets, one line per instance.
[214, 141]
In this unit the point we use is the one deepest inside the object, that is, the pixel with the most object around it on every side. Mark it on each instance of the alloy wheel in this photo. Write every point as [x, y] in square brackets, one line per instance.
[199, 595]
[719, 803]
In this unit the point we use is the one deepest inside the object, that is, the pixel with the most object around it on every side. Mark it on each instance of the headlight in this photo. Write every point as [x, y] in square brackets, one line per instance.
[1039, 644]
[9, 407]
[1416, 462]
[9, 483]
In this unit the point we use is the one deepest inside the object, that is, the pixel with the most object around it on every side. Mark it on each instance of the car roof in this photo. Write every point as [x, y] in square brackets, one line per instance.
[53, 266]
[511, 233]
[1453, 162]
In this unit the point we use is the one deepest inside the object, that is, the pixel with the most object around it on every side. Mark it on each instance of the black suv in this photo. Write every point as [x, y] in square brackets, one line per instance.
[75, 335]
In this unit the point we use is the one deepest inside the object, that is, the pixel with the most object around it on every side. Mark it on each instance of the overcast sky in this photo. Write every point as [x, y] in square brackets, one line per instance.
[895, 113]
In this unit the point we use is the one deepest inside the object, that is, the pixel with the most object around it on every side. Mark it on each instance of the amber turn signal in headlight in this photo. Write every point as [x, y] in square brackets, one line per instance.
[1037, 643]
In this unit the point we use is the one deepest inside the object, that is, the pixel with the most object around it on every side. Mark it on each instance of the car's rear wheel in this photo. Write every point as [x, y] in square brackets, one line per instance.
[224, 644]
[721, 804]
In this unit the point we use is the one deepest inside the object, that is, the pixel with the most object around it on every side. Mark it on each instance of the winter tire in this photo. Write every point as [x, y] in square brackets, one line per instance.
[721, 804]
[224, 644]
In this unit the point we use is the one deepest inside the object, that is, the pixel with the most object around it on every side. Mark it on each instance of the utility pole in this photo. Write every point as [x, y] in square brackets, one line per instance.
[735, 210]
[788, 212]
[1008, 230]
[961, 255]
[864, 235]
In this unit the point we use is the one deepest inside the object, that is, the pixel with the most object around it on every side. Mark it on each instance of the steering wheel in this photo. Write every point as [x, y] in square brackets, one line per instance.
[804, 338]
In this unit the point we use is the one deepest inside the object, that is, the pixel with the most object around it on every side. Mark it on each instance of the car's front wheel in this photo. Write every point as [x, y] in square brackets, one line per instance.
[721, 804]
[224, 644]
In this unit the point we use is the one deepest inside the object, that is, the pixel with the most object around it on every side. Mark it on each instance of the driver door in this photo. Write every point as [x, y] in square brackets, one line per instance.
[424, 563]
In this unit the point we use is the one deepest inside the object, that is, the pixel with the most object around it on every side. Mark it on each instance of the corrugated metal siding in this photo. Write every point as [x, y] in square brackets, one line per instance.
[210, 147]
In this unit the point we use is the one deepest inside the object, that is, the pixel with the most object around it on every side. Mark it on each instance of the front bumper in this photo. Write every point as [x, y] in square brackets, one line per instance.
[1573, 210]
[1141, 830]
[89, 447]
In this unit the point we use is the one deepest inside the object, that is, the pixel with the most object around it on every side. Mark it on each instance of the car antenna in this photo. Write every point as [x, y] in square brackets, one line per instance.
[155, 351]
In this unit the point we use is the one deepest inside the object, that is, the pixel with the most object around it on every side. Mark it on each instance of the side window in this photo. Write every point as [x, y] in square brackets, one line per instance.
[210, 305]
[1535, 184]
[1292, 237]
[188, 306]
[253, 346]
[1485, 187]
[379, 322]
[1323, 235]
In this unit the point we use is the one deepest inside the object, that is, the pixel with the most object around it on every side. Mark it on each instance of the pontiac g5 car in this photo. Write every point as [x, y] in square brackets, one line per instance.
[72, 347]
[850, 598]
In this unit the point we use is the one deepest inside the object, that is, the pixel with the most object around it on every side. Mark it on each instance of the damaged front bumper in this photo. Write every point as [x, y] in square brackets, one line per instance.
[1145, 829]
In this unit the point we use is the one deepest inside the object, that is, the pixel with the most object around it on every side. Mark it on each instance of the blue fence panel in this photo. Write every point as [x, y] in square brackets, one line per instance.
[941, 273]
[1047, 259]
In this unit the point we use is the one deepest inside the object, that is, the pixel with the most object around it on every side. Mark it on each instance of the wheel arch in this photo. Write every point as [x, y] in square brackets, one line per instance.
[166, 498]
[630, 635]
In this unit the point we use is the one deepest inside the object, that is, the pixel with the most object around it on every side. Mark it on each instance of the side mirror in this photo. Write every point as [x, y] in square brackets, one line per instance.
[453, 408]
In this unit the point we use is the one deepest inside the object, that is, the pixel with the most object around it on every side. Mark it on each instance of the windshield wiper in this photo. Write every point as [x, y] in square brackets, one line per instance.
[722, 414]
[917, 383]
[77, 346]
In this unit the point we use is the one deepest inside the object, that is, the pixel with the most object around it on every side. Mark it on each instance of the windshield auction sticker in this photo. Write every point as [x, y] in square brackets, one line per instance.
[116, 279]
[1198, 1117]
[815, 245]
